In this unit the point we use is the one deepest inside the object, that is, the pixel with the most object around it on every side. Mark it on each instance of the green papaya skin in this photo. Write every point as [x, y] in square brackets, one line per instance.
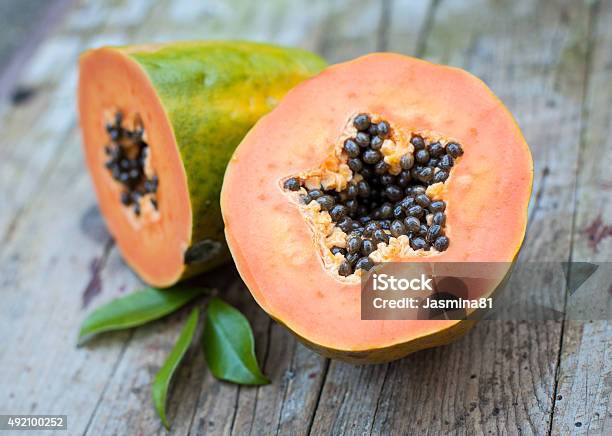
[213, 92]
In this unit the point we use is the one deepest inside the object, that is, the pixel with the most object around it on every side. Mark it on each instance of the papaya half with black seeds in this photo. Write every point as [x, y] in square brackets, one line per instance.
[383, 158]
[159, 124]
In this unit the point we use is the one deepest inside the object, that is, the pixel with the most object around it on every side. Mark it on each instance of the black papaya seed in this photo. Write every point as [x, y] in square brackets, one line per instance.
[326, 202]
[345, 269]
[383, 129]
[367, 247]
[436, 149]
[454, 149]
[417, 142]
[364, 263]
[351, 148]
[362, 139]
[397, 228]
[353, 244]
[440, 177]
[337, 212]
[362, 122]
[441, 243]
[371, 156]
[407, 161]
[292, 184]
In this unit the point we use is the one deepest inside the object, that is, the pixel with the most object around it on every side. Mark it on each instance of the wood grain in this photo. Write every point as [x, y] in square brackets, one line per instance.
[583, 404]
[548, 61]
[47, 250]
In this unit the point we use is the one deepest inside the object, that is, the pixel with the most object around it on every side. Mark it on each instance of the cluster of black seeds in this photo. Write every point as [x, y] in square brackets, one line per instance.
[383, 205]
[127, 153]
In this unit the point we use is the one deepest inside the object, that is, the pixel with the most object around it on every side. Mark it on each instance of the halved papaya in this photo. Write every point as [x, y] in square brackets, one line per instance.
[159, 124]
[383, 158]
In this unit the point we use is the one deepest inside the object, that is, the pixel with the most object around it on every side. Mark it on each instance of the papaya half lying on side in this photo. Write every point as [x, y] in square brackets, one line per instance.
[383, 158]
[159, 124]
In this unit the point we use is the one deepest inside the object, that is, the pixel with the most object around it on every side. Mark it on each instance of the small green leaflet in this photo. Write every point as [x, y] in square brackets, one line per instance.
[136, 309]
[159, 390]
[229, 345]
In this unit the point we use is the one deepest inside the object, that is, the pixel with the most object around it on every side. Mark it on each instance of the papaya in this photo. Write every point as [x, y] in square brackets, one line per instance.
[385, 158]
[159, 123]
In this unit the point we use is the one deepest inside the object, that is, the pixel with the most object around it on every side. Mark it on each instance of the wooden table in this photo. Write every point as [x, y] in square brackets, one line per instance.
[549, 61]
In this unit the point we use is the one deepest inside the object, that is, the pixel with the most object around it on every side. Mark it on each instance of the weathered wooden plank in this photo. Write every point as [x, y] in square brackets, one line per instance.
[582, 401]
[35, 131]
[44, 268]
[296, 374]
[125, 405]
[52, 249]
[349, 399]
[499, 378]
[583, 404]
[28, 35]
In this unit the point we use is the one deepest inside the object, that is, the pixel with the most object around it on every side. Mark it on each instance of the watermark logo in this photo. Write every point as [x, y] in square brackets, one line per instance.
[493, 290]
[384, 282]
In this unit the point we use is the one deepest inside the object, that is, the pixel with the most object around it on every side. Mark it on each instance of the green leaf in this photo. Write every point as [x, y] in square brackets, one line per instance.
[162, 380]
[136, 309]
[229, 345]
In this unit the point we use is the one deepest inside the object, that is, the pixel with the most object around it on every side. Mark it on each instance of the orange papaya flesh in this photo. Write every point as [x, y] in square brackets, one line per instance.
[293, 249]
[159, 123]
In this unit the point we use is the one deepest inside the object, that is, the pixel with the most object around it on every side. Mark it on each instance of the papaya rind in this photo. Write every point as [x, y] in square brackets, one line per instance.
[395, 351]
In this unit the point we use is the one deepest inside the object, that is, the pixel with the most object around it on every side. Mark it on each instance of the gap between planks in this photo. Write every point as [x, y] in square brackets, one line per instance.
[584, 121]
